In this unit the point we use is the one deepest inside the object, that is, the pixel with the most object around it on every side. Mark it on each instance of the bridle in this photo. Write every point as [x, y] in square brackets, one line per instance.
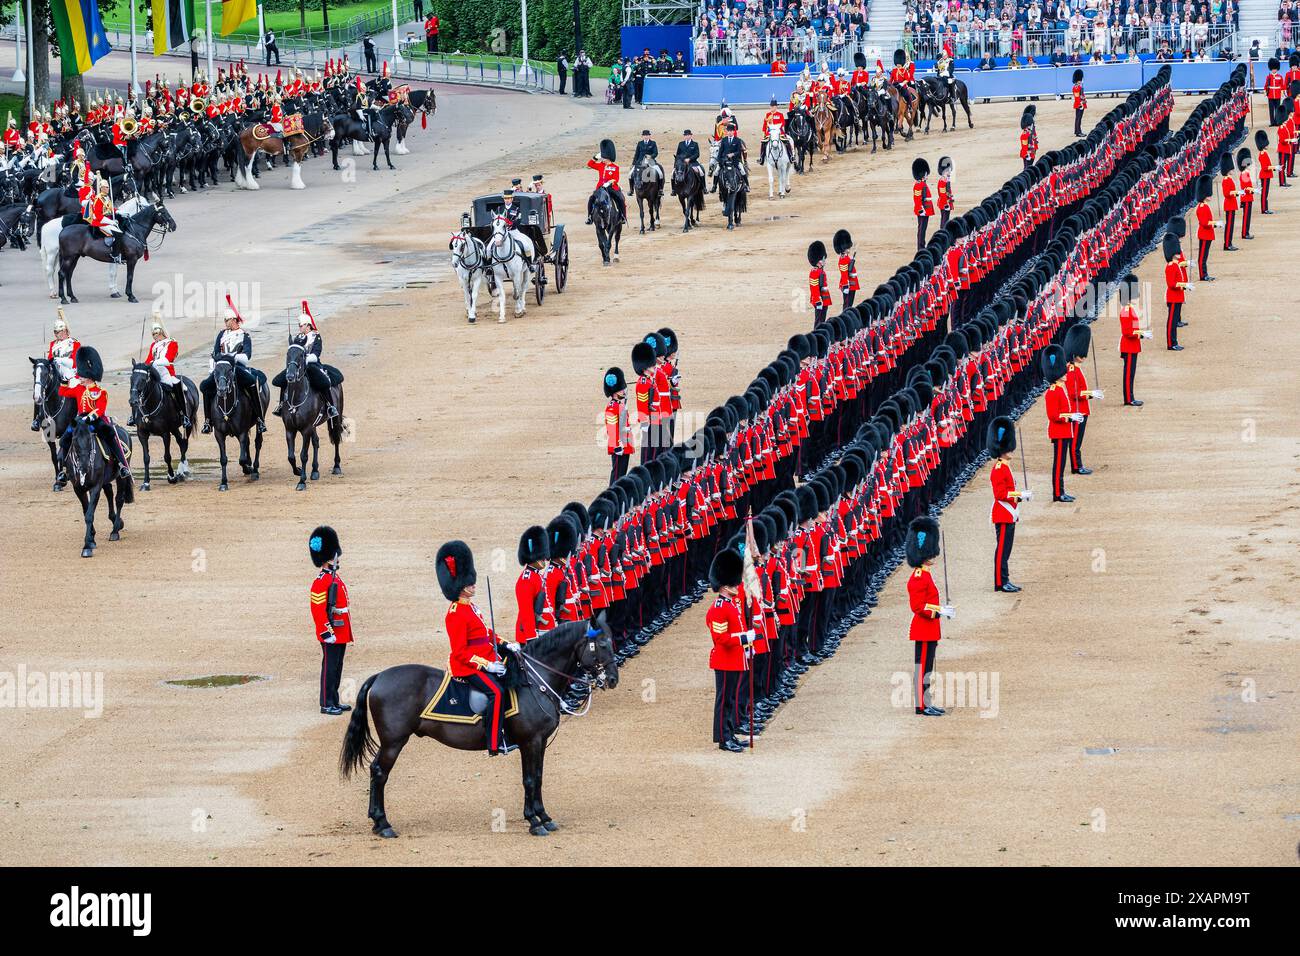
[499, 239]
[43, 403]
[460, 241]
[135, 401]
[295, 372]
[531, 665]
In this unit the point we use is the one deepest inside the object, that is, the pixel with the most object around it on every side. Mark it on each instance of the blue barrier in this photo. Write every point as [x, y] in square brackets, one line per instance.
[686, 90]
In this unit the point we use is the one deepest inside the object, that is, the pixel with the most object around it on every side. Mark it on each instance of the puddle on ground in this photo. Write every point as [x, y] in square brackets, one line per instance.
[216, 680]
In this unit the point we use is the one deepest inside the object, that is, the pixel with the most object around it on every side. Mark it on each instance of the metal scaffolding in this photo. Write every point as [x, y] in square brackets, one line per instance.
[653, 13]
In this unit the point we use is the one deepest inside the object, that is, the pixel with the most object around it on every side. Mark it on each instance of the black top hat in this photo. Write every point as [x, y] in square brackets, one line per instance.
[532, 545]
[454, 566]
[323, 545]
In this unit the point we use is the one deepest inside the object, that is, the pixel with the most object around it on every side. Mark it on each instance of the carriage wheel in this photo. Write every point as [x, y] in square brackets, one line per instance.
[539, 281]
[561, 258]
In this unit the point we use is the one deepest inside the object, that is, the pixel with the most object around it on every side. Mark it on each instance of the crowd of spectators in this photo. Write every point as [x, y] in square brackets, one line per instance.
[761, 31]
[1288, 21]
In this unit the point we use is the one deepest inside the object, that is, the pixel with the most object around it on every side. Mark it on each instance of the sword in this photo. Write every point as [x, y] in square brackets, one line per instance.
[142, 322]
[1024, 469]
[1096, 375]
[492, 620]
[943, 547]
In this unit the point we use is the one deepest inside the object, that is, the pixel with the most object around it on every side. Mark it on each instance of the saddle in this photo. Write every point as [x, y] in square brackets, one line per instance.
[455, 702]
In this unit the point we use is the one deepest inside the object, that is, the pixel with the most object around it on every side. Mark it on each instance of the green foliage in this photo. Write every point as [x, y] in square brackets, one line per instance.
[472, 27]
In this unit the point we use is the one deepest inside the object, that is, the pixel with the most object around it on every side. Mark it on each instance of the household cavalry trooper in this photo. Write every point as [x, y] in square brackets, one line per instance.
[330, 615]
[475, 659]
[1001, 442]
[321, 377]
[1028, 136]
[1061, 418]
[920, 548]
[234, 341]
[922, 202]
[535, 615]
[729, 654]
[849, 285]
[1077, 340]
[818, 293]
[618, 428]
[62, 350]
[162, 356]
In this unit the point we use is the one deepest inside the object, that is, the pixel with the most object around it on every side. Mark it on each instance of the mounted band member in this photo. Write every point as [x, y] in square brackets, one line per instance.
[162, 356]
[63, 350]
[276, 121]
[646, 147]
[474, 660]
[774, 119]
[98, 214]
[233, 341]
[607, 176]
[321, 377]
[92, 403]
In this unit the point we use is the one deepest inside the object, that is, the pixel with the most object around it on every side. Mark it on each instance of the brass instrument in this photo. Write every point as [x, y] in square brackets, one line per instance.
[198, 106]
[129, 127]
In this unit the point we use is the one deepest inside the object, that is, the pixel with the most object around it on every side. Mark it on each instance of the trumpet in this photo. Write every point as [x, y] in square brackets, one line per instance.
[129, 127]
[198, 106]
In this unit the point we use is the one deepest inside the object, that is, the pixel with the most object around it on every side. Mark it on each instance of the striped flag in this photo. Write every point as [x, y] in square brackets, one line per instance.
[172, 24]
[80, 32]
[235, 13]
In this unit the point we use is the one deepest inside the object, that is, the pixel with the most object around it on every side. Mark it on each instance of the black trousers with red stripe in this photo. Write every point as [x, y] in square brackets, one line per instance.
[1076, 445]
[1005, 534]
[1078, 122]
[617, 467]
[485, 682]
[1245, 218]
[1130, 371]
[1263, 195]
[331, 673]
[1203, 257]
[1290, 164]
[726, 704]
[923, 653]
[1229, 224]
[922, 223]
[1282, 168]
[1171, 323]
[1060, 454]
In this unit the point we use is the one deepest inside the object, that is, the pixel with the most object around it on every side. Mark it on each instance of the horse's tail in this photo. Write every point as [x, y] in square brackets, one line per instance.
[358, 743]
[127, 487]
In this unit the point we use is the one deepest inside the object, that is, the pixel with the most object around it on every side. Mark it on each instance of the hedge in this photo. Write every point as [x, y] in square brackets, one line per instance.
[468, 27]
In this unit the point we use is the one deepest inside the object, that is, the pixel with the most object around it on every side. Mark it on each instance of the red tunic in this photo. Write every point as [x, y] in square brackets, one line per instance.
[1173, 276]
[1204, 222]
[618, 435]
[1229, 188]
[329, 607]
[530, 596]
[923, 595]
[1130, 335]
[922, 204]
[91, 399]
[473, 644]
[818, 293]
[725, 628]
[1057, 402]
[1003, 480]
[848, 273]
[606, 172]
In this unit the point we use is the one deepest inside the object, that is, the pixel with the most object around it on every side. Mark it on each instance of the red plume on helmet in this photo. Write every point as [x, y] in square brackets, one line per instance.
[230, 304]
[310, 318]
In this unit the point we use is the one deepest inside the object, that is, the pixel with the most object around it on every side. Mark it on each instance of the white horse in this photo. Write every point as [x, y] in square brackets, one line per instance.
[469, 259]
[49, 250]
[509, 254]
[777, 162]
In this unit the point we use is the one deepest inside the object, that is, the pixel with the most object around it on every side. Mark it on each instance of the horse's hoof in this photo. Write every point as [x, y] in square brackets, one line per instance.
[116, 295]
[538, 829]
[145, 486]
[301, 486]
[114, 537]
[171, 480]
[336, 470]
[131, 298]
[223, 487]
[551, 826]
[386, 831]
[87, 552]
[315, 476]
[254, 476]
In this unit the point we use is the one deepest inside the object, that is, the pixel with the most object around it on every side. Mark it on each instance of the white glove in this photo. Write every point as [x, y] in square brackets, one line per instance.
[1146, 334]
[948, 611]
[1097, 394]
[596, 157]
[747, 638]
[330, 639]
[512, 647]
[496, 667]
[1026, 495]
[1079, 417]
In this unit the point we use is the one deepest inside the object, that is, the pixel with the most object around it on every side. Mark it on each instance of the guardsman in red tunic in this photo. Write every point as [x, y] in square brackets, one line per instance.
[1080, 102]
[818, 293]
[728, 658]
[1176, 286]
[1285, 143]
[1205, 223]
[474, 660]
[1028, 136]
[1275, 90]
[607, 176]
[944, 188]
[643, 363]
[330, 616]
[842, 241]
[530, 588]
[1265, 170]
[1077, 340]
[562, 536]
[92, 404]
[921, 548]
[672, 369]
[1001, 442]
[1228, 190]
[922, 203]
[1061, 418]
[1131, 333]
[618, 428]
[1245, 190]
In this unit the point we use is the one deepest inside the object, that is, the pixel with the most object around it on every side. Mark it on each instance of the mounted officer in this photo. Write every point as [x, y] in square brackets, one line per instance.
[732, 150]
[320, 376]
[233, 341]
[647, 147]
[688, 152]
[606, 166]
[162, 356]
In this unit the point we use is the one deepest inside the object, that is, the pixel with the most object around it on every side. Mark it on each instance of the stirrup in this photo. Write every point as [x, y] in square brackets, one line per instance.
[207, 428]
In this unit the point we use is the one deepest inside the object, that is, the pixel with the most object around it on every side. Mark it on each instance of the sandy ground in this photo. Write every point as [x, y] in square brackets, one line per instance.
[1155, 621]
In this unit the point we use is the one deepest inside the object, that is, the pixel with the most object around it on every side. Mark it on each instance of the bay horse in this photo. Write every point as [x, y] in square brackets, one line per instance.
[544, 671]
[609, 228]
[905, 111]
[79, 241]
[731, 192]
[154, 405]
[92, 470]
[304, 412]
[937, 96]
[52, 413]
[293, 147]
[648, 184]
[823, 119]
[688, 187]
[234, 416]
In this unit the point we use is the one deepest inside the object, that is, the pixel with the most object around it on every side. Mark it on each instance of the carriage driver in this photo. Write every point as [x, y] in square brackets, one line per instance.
[646, 147]
[607, 178]
[234, 341]
[92, 402]
[474, 659]
[774, 119]
[513, 213]
[162, 356]
[321, 377]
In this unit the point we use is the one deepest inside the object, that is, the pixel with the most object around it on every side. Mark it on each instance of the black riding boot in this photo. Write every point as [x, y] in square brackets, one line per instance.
[279, 406]
[255, 394]
[178, 394]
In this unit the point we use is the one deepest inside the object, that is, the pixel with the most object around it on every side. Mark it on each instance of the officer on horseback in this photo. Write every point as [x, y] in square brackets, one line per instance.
[162, 356]
[98, 214]
[607, 178]
[774, 119]
[732, 151]
[92, 404]
[62, 352]
[944, 69]
[321, 377]
[688, 152]
[646, 147]
[233, 341]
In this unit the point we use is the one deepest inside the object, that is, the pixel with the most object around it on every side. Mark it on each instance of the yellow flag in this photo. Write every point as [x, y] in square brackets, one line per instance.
[235, 13]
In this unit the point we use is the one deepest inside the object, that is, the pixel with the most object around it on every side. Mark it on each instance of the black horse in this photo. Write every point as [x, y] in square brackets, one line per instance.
[609, 227]
[54, 204]
[688, 187]
[800, 128]
[379, 131]
[731, 192]
[79, 240]
[878, 117]
[422, 102]
[937, 97]
[15, 221]
[92, 469]
[233, 416]
[304, 412]
[154, 407]
[648, 185]
[846, 123]
[52, 413]
[573, 652]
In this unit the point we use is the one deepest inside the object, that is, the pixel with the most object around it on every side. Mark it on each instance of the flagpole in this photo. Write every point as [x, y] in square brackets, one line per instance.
[524, 15]
[211, 70]
[397, 48]
[31, 64]
[135, 75]
[261, 28]
[19, 27]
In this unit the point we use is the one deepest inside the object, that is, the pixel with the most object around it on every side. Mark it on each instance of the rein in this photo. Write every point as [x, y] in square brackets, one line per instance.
[135, 401]
[531, 664]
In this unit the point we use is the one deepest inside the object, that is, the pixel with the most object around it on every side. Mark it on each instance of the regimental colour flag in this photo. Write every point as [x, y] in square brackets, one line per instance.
[172, 24]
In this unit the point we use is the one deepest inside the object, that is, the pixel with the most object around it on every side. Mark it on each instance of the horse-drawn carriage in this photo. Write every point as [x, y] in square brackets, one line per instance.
[535, 223]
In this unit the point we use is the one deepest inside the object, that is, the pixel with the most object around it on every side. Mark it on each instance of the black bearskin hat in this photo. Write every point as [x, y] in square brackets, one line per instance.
[727, 570]
[1243, 158]
[561, 536]
[455, 568]
[816, 252]
[579, 511]
[643, 357]
[1274, 63]
[1261, 139]
[800, 346]
[323, 545]
[1077, 77]
[1171, 247]
[1204, 187]
[1001, 439]
[607, 150]
[614, 381]
[1053, 362]
[945, 165]
[806, 498]
[842, 242]
[1077, 339]
[1026, 119]
[670, 339]
[1177, 226]
[656, 342]
[1127, 288]
[899, 58]
[920, 168]
[860, 60]
[922, 543]
[1225, 164]
[89, 364]
[532, 545]
[603, 513]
